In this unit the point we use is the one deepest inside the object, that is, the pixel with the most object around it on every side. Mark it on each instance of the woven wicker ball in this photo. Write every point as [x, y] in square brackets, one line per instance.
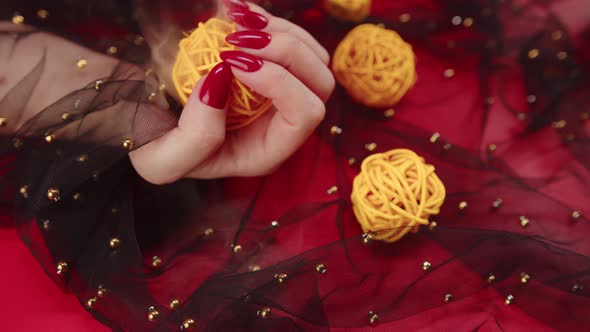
[395, 193]
[199, 52]
[348, 10]
[375, 65]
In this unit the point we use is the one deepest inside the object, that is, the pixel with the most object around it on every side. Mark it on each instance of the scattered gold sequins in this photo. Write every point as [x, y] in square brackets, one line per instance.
[432, 225]
[24, 191]
[533, 53]
[62, 267]
[281, 278]
[53, 194]
[174, 304]
[98, 85]
[115, 243]
[468, 22]
[576, 288]
[434, 138]
[156, 261]
[187, 325]
[208, 232]
[389, 113]
[263, 313]
[448, 297]
[426, 266]
[128, 144]
[524, 221]
[449, 72]
[46, 224]
[405, 18]
[49, 138]
[371, 147]
[463, 205]
[497, 203]
[320, 268]
[557, 35]
[254, 268]
[524, 277]
[559, 124]
[81, 63]
[18, 18]
[335, 130]
[332, 190]
[274, 224]
[82, 158]
[42, 14]
[351, 161]
[576, 215]
[91, 303]
[561, 55]
[3, 122]
[65, 116]
[101, 291]
[153, 314]
[491, 278]
[373, 318]
[237, 248]
[456, 20]
[112, 50]
[509, 299]
[492, 147]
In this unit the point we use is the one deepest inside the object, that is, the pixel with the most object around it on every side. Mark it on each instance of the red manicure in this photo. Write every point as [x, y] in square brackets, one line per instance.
[248, 19]
[235, 4]
[253, 39]
[217, 86]
[242, 60]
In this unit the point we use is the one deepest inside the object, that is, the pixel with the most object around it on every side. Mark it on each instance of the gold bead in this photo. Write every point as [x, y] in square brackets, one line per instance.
[366, 238]
[91, 303]
[576, 215]
[497, 203]
[463, 205]
[115, 243]
[112, 50]
[65, 116]
[351, 161]
[524, 278]
[151, 97]
[524, 221]
[42, 14]
[561, 55]
[49, 138]
[274, 224]
[208, 232]
[405, 18]
[254, 268]
[373, 318]
[492, 147]
[263, 313]
[187, 325]
[434, 137]
[468, 22]
[18, 19]
[46, 224]
[81, 63]
[577, 288]
[509, 299]
[101, 291]
[557, 35]
[332, 190]
[24, 191]
[448, 73]
[281, 277]
[237, 248]
[559, 124]
[448, 297]
[521, 116]
[162, 87]
[53, 194]
[389, 113]
[174, 304]
[426, 266]
[432, 225]
[371, 146]
[82, 158]
[128, 144]
[534, 53]
[491, 278]
[456, 20]
[153, 314]
[98, 85]
[320, 268]
[156, 261]
[76, 196]
[335, 130]
[3, 122]
[62, 267]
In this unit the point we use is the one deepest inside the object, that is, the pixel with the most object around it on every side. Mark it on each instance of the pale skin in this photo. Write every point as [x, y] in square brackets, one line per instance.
[295, 75]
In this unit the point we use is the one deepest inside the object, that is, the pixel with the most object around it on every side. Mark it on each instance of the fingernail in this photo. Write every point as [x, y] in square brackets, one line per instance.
[235, 4]
[217, 86]
[248, 19]
[242, 60]
[253, 39]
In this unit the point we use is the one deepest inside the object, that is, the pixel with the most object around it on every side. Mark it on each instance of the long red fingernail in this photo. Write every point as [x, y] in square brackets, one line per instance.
[253, 39]
[242, 60]
[217, 86]
[235, 4]
[248, 19]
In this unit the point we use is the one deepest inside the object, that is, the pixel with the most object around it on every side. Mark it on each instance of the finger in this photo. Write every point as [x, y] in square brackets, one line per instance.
[262, 20]
[291, 53]
[200, 132]
[299, 109]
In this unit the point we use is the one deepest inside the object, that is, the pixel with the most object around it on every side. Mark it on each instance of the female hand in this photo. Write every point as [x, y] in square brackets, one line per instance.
[280, 61]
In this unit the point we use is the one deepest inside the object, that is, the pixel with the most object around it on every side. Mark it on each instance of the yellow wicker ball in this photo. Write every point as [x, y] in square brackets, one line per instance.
[395, 193]
[199, 52]
[348, 10]
[375, 65]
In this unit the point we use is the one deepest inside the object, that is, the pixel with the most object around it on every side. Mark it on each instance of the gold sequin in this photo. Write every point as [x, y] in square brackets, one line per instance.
[91, 303]
[371, 147]
[187, 325]
[576, 215]
[577, 288]
[65, 116]
[468, 22]
[281, 277]
[448, 297]
[432, 225]
[447, 146]
[81, 63]
[321, 268]
[112, 50]
[524, 278]
[101, 291]
[153, 314]
[531, 99]
[491, 278]
[76, 196]
[426, 266]
[366, 238]
[559, 124]
[162, 87]
[174, 304]
[115, 243]
[557, 35]
[128, 144]
[434, 138]
[237, 248]
[463, 205]
[53, 194]
[24, 191]
[156, 261]
[373, 318]
[456, 20]
[42, 14]
[335, 130]
[274, 224]
[351, 161]
[492, 147]
[3, 122]
[561, 55]
[509, 299]
[18, 19]
[524, 221]
[62, 267]
[49, 138]
[332, 190]
[389, 113]
[151, 97]
[82, 158]
[254, 268]
[46, 224]
[208, 232]
[98, 85]
[449, 72]
[263, 313]
[533, 54]
[405, 18]
[497, 203]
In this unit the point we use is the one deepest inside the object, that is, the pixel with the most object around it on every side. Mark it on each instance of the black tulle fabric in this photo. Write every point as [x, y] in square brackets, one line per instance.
[219, 286]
